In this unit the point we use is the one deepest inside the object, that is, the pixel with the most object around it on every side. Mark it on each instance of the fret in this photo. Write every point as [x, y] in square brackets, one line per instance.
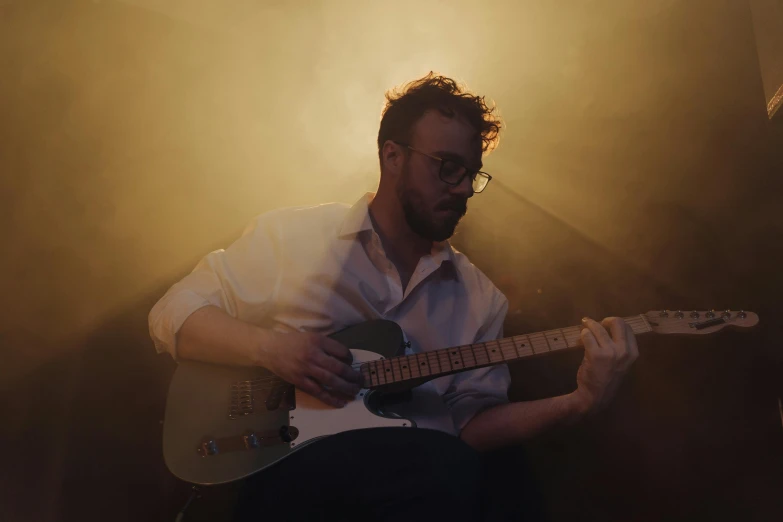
[405, 371]
[434, 363]
[507, 349]
[539, 343]
[522, 343]
[556, 340]
[455, 357]
[370, 374]
[572, 336]
[467, 356]
[496, 345]
[378, 372]
[493, 352]
[396, 370]
[413, 366]
[443, 360]
[639, 324]
[387, 372]
[480, 354]
[423, 365]
[366, 377]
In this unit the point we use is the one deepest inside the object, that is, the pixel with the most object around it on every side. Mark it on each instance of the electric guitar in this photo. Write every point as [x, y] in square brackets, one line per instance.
[225, 423]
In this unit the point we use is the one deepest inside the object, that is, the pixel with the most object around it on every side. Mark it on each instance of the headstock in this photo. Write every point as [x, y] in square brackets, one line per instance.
[690, 322]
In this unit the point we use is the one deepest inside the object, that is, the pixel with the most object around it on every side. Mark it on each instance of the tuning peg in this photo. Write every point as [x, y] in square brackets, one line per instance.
[710, 314]
[742, 314]
[726, 314]
[679, 314]
[694, 315]
[664, 313]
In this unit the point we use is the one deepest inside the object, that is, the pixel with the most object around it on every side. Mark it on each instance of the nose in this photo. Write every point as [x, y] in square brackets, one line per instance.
[464, 188]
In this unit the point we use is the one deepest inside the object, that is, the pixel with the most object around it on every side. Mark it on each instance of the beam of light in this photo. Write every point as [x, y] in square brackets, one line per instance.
[145, 133]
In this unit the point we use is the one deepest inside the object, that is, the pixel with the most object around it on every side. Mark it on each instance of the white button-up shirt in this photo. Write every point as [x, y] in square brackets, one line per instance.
[323, 268]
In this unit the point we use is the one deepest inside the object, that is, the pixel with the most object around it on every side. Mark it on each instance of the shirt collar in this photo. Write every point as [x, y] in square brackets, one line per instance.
[358, 220]
[358, 217]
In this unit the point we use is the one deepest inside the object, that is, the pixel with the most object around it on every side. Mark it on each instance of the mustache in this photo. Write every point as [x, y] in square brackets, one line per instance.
[460, 206]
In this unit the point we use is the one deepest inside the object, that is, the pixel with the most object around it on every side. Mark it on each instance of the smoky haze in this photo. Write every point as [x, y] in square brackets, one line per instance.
[637, 170]
[140, 135]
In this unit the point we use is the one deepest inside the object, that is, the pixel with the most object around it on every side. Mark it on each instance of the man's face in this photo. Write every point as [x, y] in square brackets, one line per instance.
[433, 208]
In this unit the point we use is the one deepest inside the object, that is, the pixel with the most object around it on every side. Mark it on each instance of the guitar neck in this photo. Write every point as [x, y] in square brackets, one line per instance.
[419, 367]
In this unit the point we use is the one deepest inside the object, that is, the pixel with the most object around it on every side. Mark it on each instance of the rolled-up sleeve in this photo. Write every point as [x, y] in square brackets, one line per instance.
[242, 280]
[475, 391]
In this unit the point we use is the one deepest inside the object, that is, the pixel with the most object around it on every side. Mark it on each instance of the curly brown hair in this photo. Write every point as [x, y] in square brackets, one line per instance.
[405, 105]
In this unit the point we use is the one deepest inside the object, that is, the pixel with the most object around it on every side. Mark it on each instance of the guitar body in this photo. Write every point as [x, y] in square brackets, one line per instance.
[224, 423]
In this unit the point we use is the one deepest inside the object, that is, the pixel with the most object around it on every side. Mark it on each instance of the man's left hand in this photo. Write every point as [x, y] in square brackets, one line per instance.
[610, 350]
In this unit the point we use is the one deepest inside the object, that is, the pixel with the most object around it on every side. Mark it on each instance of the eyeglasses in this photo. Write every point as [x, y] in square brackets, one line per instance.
[452, 172]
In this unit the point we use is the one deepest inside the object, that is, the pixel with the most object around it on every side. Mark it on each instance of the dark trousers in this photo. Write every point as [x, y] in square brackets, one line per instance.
[379, 474]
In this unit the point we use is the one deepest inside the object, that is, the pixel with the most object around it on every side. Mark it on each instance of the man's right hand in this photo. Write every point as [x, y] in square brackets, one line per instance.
[315, 364]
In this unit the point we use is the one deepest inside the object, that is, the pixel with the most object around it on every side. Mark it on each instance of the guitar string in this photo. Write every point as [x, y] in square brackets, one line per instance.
[636, 321]
[503, 343]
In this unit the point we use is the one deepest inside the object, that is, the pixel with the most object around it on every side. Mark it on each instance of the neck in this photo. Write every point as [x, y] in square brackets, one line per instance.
[415, 369]
[402, 245]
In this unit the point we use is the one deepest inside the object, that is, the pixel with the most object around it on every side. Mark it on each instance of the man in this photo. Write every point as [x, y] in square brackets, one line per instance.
[299, 274]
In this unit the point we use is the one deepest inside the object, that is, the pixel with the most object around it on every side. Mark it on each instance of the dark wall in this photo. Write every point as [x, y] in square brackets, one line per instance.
[638, 171]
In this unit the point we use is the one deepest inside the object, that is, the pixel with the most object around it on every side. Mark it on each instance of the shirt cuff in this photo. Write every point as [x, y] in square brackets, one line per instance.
[475, 391]
[469, 406]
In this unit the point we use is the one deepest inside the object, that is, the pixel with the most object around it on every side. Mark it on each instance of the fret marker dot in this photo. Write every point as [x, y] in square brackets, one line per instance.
[493, 351]
[373, 373]
[387, 369]
[404, 367]
[456, 362]
[423, 364]
[555, 338]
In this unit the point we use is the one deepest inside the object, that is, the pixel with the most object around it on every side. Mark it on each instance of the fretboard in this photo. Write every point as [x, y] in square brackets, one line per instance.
[418, 367]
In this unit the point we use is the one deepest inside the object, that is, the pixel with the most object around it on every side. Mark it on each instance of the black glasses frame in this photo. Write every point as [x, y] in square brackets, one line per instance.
[474, 174]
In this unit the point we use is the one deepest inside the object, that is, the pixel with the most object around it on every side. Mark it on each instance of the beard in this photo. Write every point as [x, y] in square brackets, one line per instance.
[425, 221]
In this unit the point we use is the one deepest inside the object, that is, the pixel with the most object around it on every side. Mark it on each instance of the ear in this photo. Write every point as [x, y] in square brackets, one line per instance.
[392, 157]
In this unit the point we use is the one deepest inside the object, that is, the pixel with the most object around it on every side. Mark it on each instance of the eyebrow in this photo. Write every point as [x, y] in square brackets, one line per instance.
[453, 156]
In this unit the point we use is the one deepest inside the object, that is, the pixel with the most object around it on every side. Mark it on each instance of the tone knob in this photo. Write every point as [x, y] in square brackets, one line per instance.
[726, 314]
[694, 315]
[742, 314]
[287, 434]
[710, 314]
[664, 313]
[679, 314]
